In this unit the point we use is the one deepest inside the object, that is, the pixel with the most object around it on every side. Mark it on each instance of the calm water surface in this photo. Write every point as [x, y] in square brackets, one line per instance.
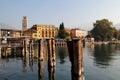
[101, 62]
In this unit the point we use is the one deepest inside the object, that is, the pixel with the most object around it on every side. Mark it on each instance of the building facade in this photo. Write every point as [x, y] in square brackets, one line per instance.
[5, 33]
[78, 33]
[42, 31]
[10, 33]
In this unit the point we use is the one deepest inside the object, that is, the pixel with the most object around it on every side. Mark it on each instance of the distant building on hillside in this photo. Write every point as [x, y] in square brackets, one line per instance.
[41, 31]
[78, 33]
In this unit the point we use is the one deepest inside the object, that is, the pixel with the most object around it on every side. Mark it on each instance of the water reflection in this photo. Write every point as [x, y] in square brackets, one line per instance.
[62, 53]
[10, 52]
[40, 70]
[51, 72]
[31, 63]
[25, 64]
[103, 54]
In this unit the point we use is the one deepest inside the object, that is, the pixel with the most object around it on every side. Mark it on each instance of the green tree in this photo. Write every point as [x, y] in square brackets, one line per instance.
[103, 29]
[62, 32]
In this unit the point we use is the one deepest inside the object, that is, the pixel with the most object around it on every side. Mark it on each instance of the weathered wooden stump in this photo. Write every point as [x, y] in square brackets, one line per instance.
[40, 50]
[75, 49]
[31, 50]
[24, 51]
[51, 52]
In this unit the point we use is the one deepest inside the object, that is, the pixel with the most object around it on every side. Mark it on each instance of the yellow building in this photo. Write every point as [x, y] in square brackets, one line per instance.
[17, 33]
[41, 31]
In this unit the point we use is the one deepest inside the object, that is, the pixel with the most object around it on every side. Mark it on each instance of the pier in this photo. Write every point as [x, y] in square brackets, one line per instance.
[26, 46]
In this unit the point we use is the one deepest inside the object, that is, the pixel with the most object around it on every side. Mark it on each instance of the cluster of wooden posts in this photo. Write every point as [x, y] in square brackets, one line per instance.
[75, 49]
[51, 58]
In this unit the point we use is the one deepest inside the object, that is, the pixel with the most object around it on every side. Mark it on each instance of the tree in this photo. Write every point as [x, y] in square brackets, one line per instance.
[62, 32]
[103, 28]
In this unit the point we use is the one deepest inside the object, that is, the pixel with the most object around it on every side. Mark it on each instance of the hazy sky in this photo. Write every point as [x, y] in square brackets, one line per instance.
[74, 13]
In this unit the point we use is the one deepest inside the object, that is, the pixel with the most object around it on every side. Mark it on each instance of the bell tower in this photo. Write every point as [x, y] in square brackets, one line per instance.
[24, 23]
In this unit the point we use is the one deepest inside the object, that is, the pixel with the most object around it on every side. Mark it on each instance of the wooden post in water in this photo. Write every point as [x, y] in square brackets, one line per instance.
[51, 58]
[24, 51]
[23, 54]
[53, 53]
[31, 53]
[75, 48]
[30, 48]
[40, 50]
[49, 45]
[26, 48]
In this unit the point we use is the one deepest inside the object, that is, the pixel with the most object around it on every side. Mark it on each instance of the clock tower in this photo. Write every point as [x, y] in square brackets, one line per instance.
[24, 23]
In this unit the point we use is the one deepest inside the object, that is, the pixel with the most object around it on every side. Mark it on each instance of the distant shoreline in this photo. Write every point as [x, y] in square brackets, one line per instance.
[104, 42]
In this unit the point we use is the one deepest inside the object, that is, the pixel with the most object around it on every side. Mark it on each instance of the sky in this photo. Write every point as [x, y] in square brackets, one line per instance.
[74, 13]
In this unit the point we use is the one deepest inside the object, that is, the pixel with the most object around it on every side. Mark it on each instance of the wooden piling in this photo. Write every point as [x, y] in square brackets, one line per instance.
[53, 53]
[24, 51]
[31, 52]
[40, 50]
[32, 49]
[49, 52]
[75, 49]
[23, 54]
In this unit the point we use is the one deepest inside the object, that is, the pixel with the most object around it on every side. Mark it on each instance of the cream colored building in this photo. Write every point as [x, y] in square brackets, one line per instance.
[41, 31]
[78, 33]
[10, 33]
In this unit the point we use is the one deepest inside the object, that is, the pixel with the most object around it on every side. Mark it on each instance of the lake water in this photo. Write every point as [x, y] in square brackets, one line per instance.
[101, 62]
